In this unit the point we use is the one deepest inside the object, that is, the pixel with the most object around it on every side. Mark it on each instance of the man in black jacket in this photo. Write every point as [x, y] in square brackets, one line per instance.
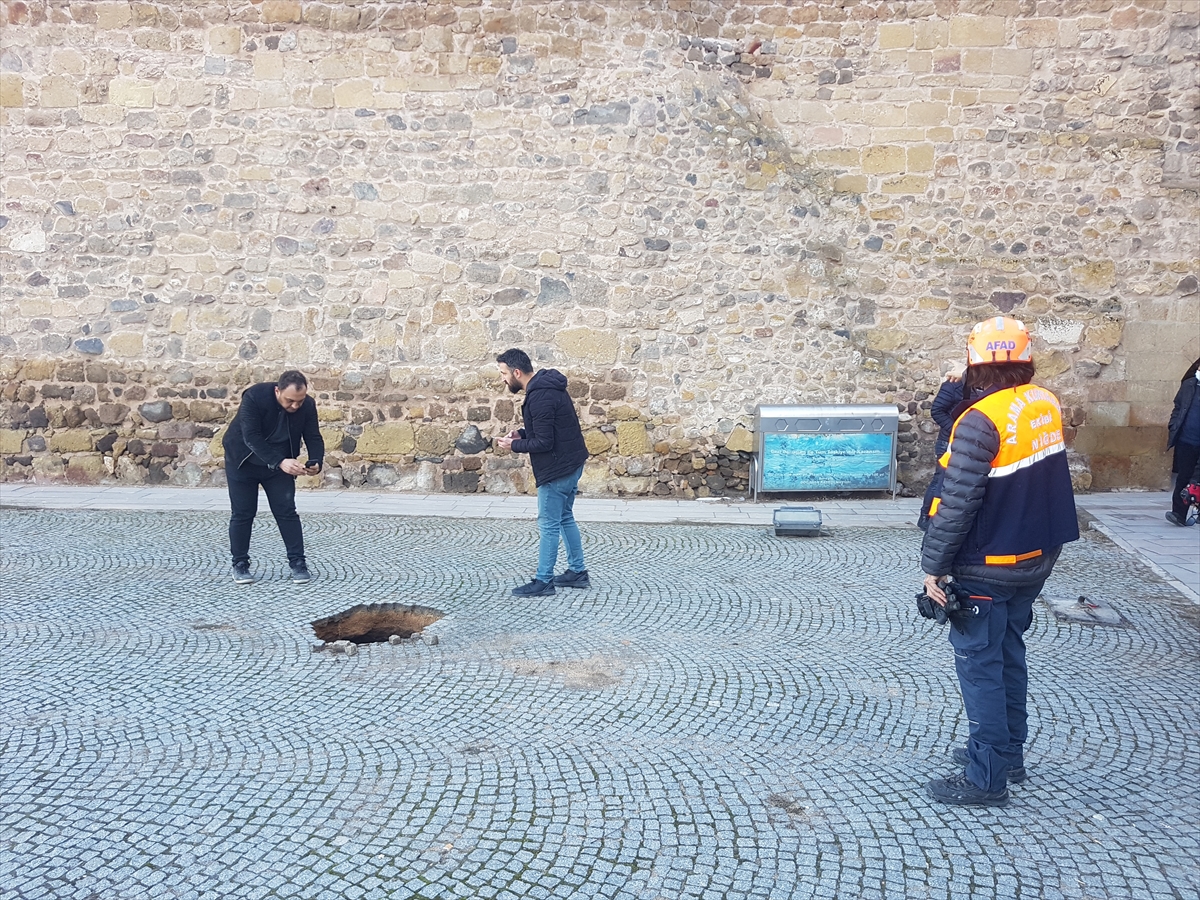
[1005, 508]
[262, 447]
[554, 442]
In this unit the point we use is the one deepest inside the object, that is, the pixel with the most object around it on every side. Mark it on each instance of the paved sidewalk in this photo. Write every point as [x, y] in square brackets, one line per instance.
[1134, 520]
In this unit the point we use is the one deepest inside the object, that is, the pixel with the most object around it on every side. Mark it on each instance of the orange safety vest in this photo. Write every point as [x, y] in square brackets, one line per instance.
[1028, 507]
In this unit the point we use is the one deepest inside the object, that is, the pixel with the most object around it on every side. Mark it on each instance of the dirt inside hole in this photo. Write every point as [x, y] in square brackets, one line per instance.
[375, 623]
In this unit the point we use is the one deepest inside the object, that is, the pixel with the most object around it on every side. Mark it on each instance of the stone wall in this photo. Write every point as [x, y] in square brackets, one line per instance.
[688, 207]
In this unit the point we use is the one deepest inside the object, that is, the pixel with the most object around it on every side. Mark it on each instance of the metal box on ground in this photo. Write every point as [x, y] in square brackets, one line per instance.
[825, 448]
[797, 521]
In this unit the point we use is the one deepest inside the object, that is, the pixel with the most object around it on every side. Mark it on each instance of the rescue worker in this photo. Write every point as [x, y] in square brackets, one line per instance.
[1005, 509]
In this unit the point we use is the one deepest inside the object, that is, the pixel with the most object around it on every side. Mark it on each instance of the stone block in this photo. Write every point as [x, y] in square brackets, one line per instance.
[920, 157]
[387, 439]
[1108, 414]
[58, 91]
[883, 159]
[595, 439]
[850, 184]
[127, 344]
[895, 35]
[157, 411]
[225, 40]
[461, 482]
[740, 439]
[1012, 62]
[131, 93]
[207, 411]
[113, 15]
[926, 114]
[48, 468]
[12, 90]
[632, 439]
[589, 345]
[280, 11]
[10, 441]
[73, 440]
[470, 342]
[431, 440]
[1036, 32]
[1097, 275]
[977, 31]
[112, 413]
[931, 33]
[845, 157]
[909, 184]
[87, 468]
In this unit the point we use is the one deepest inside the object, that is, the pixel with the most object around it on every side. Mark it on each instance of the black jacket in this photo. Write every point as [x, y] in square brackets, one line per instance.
[260, 418]
[963, 492]
[1183, 402]
[551, 436]
[945, 410]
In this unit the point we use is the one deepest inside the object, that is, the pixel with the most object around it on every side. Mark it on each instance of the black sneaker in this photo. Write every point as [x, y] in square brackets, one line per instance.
[241, 574]
[1174, 519]
[1015, 775]
[573, 579]
[959, 790]
[300, 574]
[535, 588]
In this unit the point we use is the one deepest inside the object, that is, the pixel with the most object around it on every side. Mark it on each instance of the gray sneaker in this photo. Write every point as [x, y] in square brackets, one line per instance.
[300, 573]
[241, 574]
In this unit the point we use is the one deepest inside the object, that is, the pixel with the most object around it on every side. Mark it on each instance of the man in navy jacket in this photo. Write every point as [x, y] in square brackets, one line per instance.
[262, 447]
[554, 442]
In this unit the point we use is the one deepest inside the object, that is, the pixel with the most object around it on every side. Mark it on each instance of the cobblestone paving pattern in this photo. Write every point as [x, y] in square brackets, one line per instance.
[724, 714]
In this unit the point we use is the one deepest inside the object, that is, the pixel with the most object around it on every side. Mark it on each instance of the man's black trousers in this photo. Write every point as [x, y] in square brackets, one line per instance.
[280, 489]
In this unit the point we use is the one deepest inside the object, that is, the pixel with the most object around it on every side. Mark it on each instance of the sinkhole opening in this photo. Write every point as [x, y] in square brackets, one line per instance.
[373, 623]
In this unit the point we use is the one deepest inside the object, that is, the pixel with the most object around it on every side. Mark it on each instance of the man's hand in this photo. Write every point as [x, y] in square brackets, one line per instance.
[506, 441]
[933, 588]
[292, 467]
[313, 469]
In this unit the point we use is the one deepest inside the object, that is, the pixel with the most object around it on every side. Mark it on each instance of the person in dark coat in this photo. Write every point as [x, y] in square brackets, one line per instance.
[996, 529]
[1183, 434]
[554, 441]
[949, 403]
[262, 447]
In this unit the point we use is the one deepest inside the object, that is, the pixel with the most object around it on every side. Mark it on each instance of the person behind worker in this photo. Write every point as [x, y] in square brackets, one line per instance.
[1004, 511]
[948, 404]
[1183, 434]
[262, 447]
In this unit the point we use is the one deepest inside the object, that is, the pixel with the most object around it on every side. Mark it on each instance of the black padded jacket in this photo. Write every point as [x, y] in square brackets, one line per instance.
[551, 436]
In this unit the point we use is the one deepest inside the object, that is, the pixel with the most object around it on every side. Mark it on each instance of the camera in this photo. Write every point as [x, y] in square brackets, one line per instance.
[954, 611]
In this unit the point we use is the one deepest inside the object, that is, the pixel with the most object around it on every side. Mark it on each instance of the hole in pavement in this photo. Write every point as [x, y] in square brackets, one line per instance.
[375, 622]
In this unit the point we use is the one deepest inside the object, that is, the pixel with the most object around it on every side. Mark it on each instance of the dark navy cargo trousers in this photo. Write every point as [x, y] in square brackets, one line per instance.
[989, 656]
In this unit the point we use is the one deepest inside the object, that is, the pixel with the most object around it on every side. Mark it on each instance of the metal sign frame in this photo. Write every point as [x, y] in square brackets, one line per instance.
[834, 448]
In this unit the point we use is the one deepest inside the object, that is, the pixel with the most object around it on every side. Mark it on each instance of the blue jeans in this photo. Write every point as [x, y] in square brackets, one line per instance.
[556, 502]
[989, 657]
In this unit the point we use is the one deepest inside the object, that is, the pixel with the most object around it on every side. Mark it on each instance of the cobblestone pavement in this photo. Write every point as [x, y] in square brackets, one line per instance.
[724, 714]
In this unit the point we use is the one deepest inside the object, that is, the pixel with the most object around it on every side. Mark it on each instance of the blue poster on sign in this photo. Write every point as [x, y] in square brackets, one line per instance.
[827, 462]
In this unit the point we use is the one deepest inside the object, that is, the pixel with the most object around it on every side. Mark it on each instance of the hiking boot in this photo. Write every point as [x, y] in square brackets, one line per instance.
[1016, 774]
[1174, 519]
[535, 588]
[241, 574]
[300, 573]
[959, 790]
[573, 579]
